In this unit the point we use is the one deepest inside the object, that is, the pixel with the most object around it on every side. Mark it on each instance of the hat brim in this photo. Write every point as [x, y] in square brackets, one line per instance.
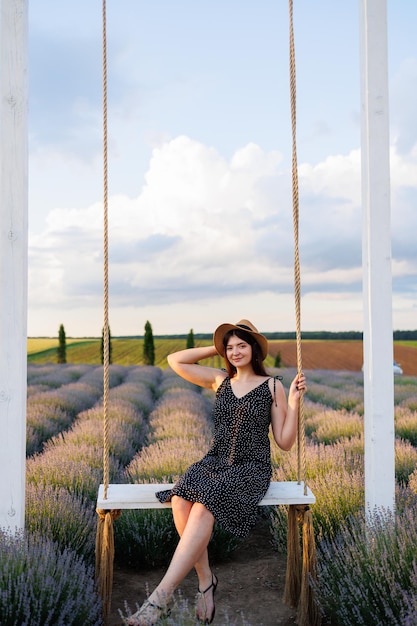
[221, 331]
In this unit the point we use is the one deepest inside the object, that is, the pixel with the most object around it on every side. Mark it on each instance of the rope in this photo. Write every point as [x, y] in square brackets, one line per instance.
[105, 532]
[106, 453]
[298, 592]
[301, 456]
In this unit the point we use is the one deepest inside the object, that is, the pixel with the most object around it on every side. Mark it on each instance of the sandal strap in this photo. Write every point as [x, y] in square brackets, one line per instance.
[212, 584]
[155, 606]
[205, 590]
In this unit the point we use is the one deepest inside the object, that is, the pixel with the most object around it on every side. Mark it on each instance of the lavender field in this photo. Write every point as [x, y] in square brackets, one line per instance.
[364, 577]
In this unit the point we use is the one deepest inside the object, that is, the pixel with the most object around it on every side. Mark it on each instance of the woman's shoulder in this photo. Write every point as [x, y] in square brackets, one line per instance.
[221, 379]
[273, 381]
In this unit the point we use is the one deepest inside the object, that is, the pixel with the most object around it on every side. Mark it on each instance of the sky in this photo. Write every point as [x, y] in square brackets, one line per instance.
[199, 165]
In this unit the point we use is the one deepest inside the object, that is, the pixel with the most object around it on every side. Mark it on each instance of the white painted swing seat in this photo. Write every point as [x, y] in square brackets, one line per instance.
[142, 496]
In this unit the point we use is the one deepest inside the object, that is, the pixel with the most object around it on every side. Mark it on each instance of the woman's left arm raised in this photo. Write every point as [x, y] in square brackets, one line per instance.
[284, 415]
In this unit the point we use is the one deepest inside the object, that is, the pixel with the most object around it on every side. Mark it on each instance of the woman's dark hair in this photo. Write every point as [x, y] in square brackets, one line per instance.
[257, 361]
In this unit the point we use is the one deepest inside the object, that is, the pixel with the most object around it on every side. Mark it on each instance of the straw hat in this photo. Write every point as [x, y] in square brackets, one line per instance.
[245, 325]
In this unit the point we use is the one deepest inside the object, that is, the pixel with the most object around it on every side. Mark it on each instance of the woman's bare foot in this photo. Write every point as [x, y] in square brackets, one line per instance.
[148, 615]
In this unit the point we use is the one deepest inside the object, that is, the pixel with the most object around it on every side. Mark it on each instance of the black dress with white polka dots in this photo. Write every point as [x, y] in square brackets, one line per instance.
[235, 474]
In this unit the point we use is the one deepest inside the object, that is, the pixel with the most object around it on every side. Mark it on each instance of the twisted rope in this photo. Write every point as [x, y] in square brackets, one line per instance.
[298, 591]
[106, 453]
[301, 456]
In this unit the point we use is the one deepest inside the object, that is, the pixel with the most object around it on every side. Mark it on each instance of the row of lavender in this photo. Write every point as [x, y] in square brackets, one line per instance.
[367, 572]
[334, 425]
[153, 415]
[65, 402]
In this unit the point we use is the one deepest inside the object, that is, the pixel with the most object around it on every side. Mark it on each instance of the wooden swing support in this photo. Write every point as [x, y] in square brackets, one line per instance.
[112, 498]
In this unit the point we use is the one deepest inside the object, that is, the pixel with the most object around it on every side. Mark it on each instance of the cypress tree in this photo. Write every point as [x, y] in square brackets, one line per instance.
[62, 345]
[148, 346]
[102, 347]
[190, 339]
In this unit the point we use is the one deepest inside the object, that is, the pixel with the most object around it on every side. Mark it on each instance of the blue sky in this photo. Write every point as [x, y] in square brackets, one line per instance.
[199, 164]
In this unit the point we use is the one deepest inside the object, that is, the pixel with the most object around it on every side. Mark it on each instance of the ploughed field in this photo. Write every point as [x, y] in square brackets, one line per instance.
[316, 354]
[339, 355]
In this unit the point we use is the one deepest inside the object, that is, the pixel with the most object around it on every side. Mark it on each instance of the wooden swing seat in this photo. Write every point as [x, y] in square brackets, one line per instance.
[142, 496]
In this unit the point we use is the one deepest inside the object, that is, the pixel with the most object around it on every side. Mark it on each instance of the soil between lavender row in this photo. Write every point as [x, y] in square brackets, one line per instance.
[251, 583]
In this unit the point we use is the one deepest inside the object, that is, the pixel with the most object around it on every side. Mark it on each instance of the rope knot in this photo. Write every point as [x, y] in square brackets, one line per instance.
[114, 514]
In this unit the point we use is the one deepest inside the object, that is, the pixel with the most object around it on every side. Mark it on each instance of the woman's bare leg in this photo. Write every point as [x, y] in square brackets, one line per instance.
[181, 510]
[191, 550]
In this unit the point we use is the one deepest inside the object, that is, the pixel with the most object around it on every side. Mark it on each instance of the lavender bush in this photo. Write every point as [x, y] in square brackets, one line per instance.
[339, 493]
[42, 585]
[42, 423]
[335, 398]
[126, 430]
[182, 614]
[180, 421]
[366, 573]
[94, 376]
[154, 413]
[67, 519]
[321, 459]
[63, 481]
[405, 461]
[71, 471]
[331, 426]
[170, 380]
[161, 461]
[147, 374]
[406, 423]
[412, 481]
[145, 537]
[52, 376]
[136, 393]
[52, 412]
[409, 610]
[405, 391]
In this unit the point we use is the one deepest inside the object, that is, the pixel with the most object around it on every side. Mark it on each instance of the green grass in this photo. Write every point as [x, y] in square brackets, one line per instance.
[88, 351]
[409, 344]
[78, 351]
[37, 345]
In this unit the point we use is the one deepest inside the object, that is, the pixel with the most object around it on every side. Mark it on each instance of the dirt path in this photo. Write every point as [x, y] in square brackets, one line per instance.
[250, 583]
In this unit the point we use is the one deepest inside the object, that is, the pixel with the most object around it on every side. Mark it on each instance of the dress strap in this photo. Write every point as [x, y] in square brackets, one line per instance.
[275, 378]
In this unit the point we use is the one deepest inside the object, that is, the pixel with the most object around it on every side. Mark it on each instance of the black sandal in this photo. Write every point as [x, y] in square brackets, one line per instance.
[201, 594]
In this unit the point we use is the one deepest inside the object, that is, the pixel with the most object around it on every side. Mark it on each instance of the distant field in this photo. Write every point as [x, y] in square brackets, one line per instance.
[340, 355]
[124, 351]
[41, 344]
[44, 350]
[320, 354]
[410, 344]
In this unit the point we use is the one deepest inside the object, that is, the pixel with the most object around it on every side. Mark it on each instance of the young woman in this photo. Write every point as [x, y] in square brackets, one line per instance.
[233, 477]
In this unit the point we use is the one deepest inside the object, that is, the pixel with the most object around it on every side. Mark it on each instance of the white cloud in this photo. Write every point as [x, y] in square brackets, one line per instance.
[199, 156]
[211, 231]
[403, 103]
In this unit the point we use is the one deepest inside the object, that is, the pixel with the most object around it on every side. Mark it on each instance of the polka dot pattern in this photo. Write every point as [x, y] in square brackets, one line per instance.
[234, 475]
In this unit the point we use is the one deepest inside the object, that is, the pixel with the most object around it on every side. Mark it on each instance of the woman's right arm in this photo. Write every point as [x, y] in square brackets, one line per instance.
[185, 364]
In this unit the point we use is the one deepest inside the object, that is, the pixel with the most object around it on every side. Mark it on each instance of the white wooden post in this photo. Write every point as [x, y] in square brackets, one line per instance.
[13, 260]
[376, 250]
